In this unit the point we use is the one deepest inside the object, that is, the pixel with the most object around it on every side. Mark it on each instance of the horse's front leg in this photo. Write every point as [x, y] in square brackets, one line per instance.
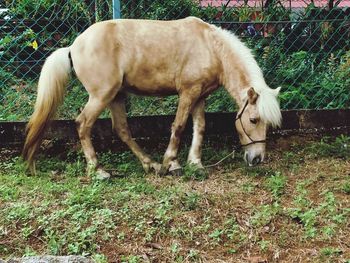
[170, 162]
[198, 116]
[120, 124]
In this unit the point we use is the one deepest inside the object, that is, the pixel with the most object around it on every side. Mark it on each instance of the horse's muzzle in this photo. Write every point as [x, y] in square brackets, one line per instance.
[253, 160]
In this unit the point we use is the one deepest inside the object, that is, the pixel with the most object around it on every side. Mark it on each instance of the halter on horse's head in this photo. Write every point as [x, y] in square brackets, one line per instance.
[257, 112]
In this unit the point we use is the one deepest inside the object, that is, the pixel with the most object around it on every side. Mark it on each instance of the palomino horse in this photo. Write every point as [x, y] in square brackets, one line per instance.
[187, 57]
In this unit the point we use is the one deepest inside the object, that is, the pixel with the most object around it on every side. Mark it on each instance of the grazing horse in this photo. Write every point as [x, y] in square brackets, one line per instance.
[187, 57]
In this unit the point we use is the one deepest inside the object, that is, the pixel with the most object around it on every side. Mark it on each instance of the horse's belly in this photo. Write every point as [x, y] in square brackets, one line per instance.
[148, 84]
[150, 91]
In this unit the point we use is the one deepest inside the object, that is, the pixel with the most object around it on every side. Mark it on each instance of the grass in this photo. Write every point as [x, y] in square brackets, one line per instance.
[294, 208]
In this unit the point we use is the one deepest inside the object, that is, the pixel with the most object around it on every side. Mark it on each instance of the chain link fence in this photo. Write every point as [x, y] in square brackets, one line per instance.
[303, 46]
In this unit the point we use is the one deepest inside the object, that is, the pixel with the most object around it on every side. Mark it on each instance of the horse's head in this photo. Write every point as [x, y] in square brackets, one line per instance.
[257, 111]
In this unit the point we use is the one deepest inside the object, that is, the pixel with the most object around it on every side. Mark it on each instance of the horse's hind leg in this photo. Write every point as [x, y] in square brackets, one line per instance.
[194, 156]
[119, 120]
[85, 121]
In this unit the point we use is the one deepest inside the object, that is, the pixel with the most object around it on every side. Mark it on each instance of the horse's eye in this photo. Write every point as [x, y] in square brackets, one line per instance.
[253, 120]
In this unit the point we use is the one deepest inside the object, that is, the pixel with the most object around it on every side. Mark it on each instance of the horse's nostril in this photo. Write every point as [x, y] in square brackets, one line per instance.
[256, 160]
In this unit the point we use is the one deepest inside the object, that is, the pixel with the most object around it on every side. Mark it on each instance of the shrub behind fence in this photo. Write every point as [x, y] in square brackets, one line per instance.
[302, 47]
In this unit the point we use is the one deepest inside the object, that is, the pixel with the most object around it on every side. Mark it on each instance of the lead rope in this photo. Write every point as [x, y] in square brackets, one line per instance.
[239, 115]
[233, 152]
[223, 159]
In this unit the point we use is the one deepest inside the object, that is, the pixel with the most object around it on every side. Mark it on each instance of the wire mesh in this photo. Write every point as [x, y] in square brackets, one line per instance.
[302, 46]
[29, 31]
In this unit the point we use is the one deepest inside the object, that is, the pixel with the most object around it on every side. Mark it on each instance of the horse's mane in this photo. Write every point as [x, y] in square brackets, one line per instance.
[268, 105]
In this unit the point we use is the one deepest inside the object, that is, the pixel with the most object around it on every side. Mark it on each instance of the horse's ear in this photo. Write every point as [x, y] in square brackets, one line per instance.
[277, 91]
[252, 96]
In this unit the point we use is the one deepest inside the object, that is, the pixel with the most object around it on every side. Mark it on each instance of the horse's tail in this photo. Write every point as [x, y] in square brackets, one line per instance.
[53, 79]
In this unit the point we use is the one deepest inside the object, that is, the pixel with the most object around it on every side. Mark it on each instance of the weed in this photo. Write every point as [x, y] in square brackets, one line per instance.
[307, 218]
[75, 169]
[204, 226]
[175, 248]
[216, 235]
[150, 233]
[47, 165]
[162, 212]
[264, 214]
[339, 148]
[249, 187]
[346, 188]
[193, 255]
[124, 162]
[276, 184]
[232, 251]
[328, 231]
[232, 229]
[19, 211]
[292, 161]
[89, 195]
[27, 231]
[16, 165]
[54, 245]
[99, 258]
[29, 252]
[190, 201]
[258, 171]
[327, 212]
[303, 212]
[193, 172]
[289, 157]
[121, 236]
[264, 245]
[131, 259]
[302, 193]
[8, 193]
[330, 251]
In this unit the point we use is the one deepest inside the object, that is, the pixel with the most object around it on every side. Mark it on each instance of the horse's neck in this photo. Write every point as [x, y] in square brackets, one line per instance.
[240, 70]
[235, 78]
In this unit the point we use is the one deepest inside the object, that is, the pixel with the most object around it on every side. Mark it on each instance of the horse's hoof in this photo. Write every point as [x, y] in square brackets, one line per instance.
[149, 167]
[163, 171]
[146, 168]
[156, 167]
[176, 172]
[102, 175]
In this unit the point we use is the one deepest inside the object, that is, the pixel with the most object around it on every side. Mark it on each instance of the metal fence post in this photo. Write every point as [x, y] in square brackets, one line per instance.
[116, 9]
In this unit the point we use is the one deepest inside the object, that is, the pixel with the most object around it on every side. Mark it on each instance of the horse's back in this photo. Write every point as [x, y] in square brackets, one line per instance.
[136, 33]
[152, 56]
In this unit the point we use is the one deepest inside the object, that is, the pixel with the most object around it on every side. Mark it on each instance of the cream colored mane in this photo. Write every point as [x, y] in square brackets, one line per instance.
[267, 102]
